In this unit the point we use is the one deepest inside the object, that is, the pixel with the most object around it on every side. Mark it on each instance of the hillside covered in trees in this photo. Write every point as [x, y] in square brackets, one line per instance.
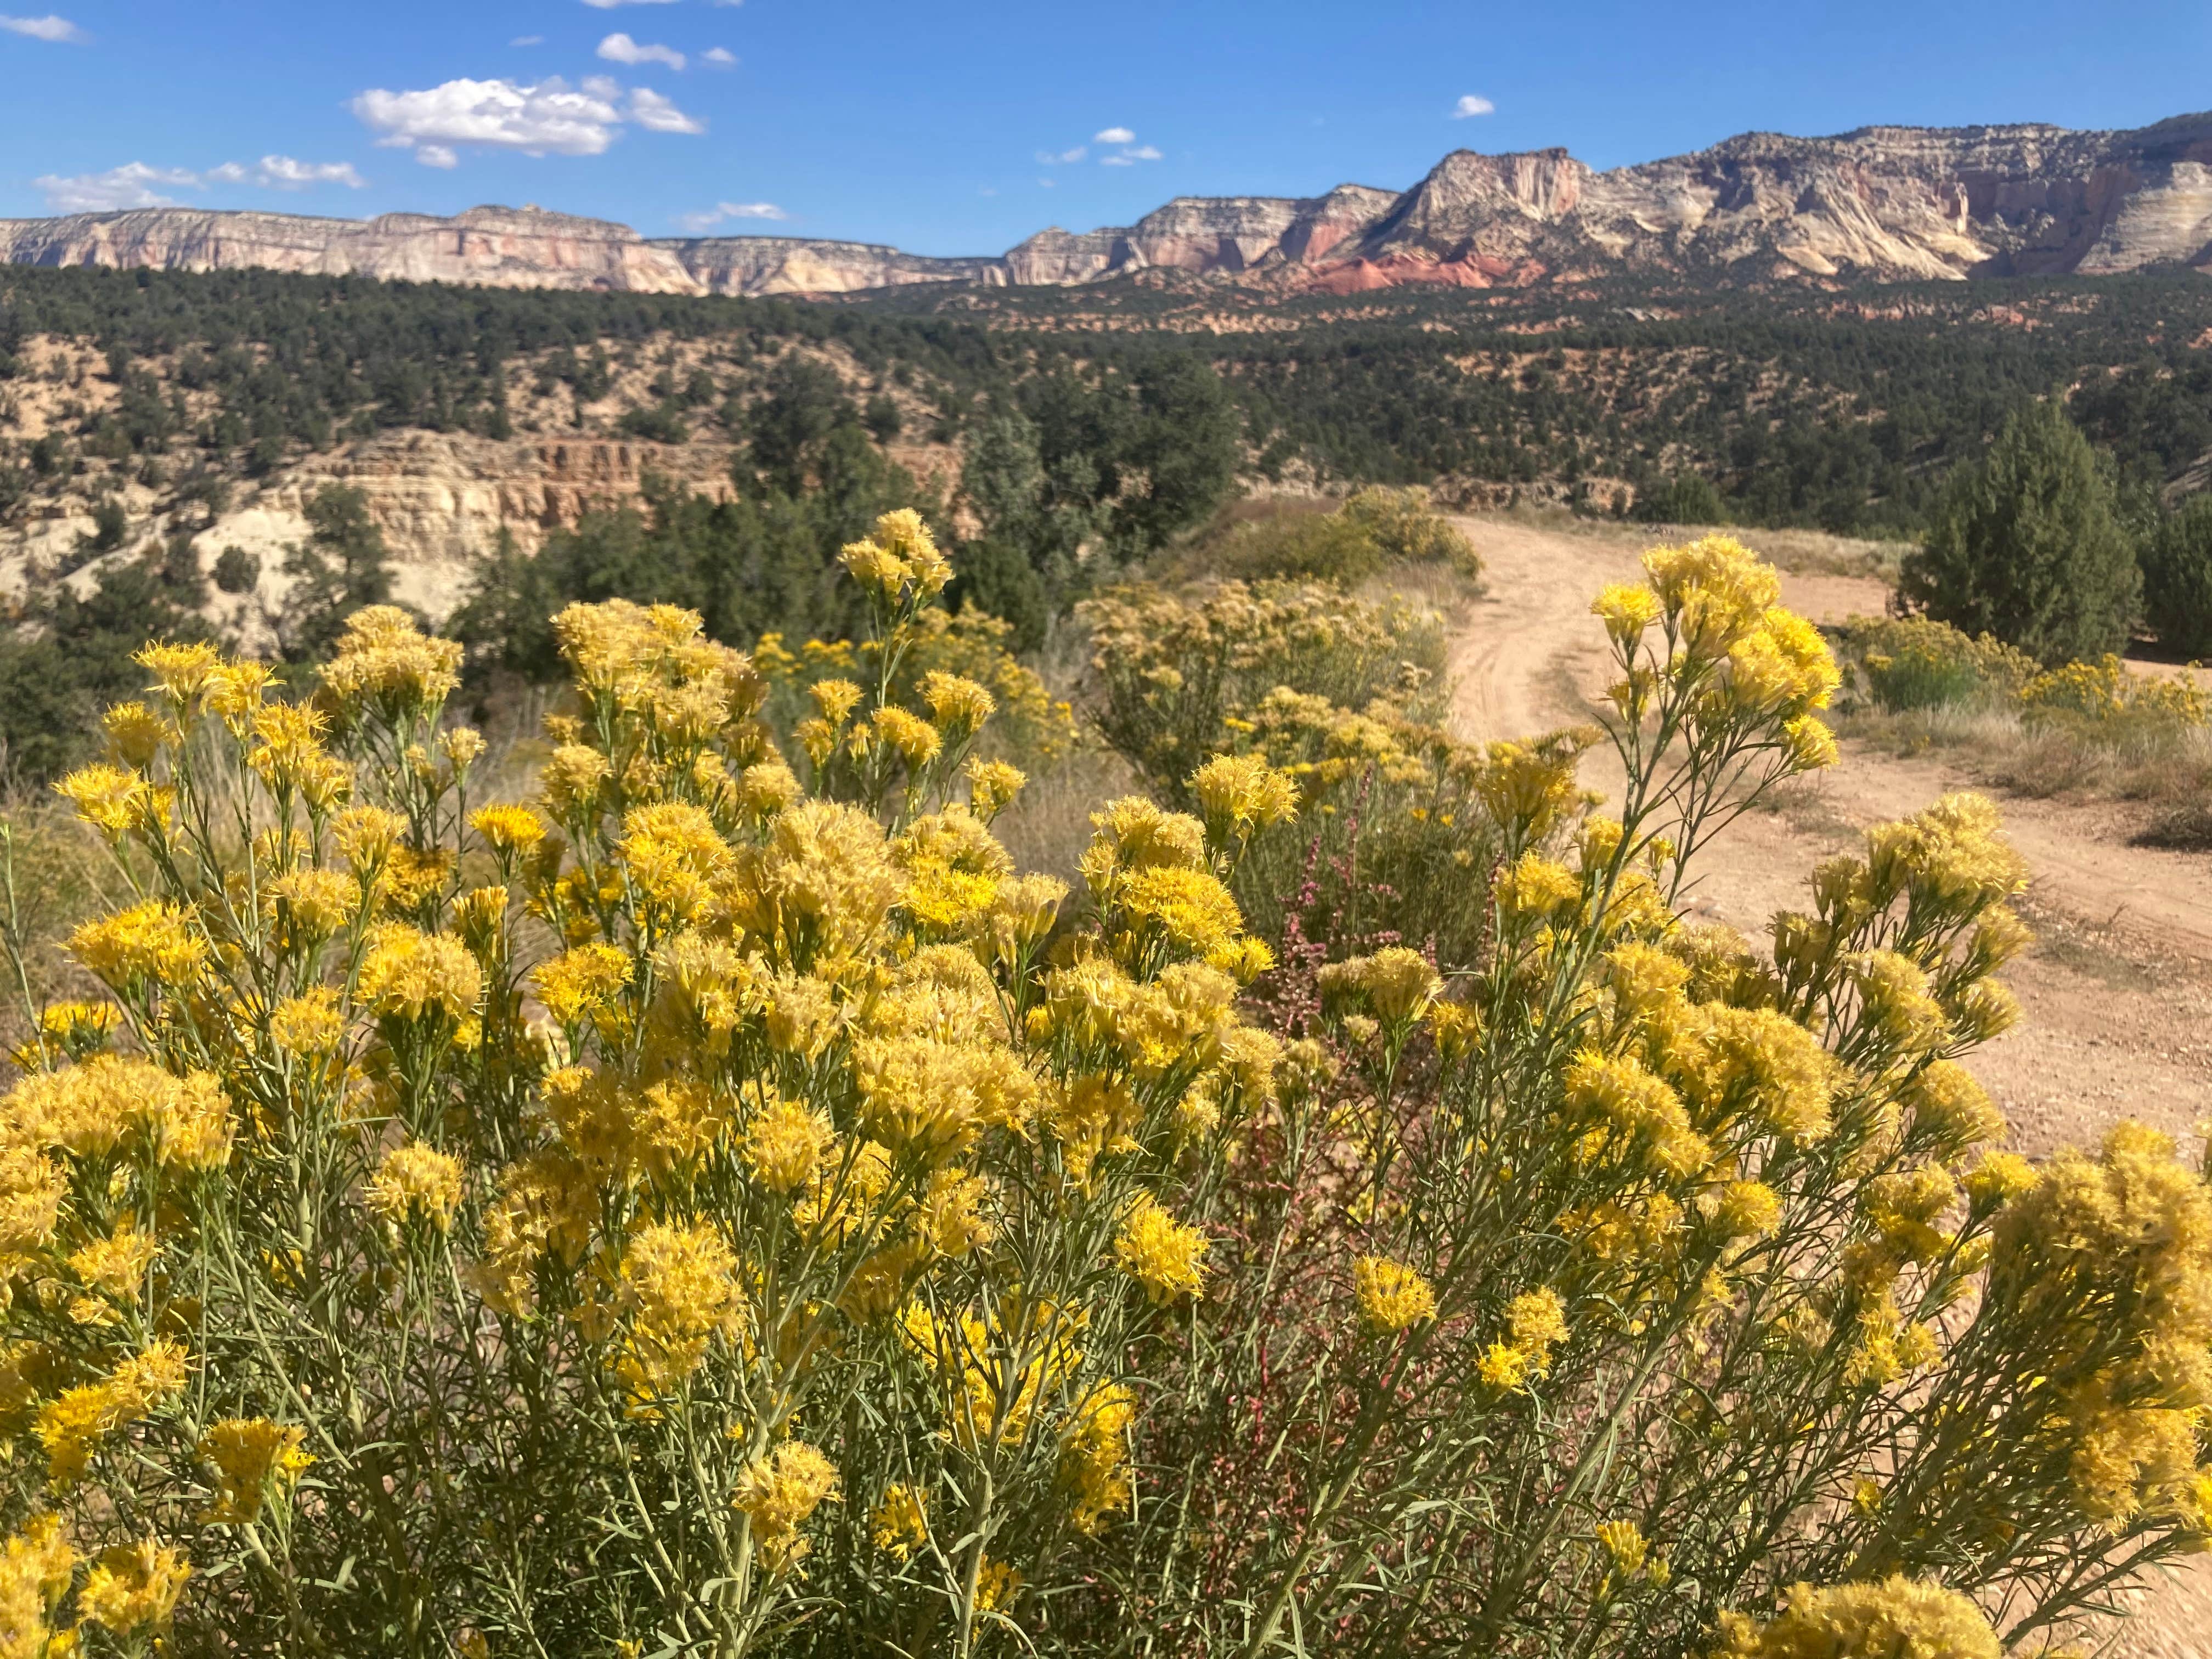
[1059, 436]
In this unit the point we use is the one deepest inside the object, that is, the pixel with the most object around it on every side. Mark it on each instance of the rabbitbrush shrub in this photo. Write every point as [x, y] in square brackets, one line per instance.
[720, 1207]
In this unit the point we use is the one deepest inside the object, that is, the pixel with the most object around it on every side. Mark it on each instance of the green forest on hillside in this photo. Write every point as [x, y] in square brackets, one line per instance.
[1803, 408]
[1085, 451]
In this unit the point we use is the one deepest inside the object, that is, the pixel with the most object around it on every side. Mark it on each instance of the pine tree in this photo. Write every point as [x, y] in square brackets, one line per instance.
[2028, 546]
[2178, 579]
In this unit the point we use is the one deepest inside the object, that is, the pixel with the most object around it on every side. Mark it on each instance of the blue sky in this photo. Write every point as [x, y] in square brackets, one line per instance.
[962, 126]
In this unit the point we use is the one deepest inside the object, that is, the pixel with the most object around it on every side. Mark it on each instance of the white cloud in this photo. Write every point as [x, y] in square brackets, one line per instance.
[282, 173]
[1129, 156]
[228, 174]
[697, 223]
[527, 40]
[1114, 136]
[48, 28]
[548, 118]
[1056, 158]
[720, 57]
[621, 49]
[1471, 104]
[608, 5]
[131, 186]
[656, 114]
[1047, 183]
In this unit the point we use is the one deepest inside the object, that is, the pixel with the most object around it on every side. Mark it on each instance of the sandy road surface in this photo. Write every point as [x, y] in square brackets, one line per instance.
[2118, 992]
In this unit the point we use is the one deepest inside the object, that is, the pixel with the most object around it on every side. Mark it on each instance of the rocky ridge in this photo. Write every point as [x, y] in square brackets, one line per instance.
[1888, 202]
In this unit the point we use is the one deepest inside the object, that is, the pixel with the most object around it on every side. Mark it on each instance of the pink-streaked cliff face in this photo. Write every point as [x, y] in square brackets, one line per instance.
[1886, 203]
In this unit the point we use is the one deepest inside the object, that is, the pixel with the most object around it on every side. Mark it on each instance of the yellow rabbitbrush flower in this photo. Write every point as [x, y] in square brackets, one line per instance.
[310, 1025]
[786, 1144]
[36, 1566]
[679, 1285]
[111, 798]
[310, 905]
[1242, 793]
[778, 1492]
[252, 1457]
[1391, 1295]
[132, 1588]
[581, 982]
[150, 944]
[1900, 1616]
[1161, 1254]
[1624, 1541]
[71, 1425]
[112, 1099]
[900, 1524]
[410, 975]
[416, 1180]
[1095, 1464]
[116, 1266]
[509, 829]
[383, 659]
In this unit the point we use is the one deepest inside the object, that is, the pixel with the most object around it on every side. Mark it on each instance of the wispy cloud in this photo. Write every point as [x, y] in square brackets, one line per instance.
[549, 118]
[722, 212]
[719, 57]
[527, 40]
[1125, 151]
[1472, 104]
[282, 173]
[657, 114]
[621, 49]
[135, 184]
[49, 27]
[608, 5]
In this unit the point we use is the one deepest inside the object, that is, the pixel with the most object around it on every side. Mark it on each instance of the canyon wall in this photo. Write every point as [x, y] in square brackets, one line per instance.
[1887, 203]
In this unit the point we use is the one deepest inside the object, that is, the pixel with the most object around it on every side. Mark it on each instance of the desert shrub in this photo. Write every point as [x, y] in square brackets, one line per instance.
[1685, 498]
[1172, 670]
[1370, 531]
[1916, 662]
[2177, 578]
[720, 1207]
[1027, 724]
[2103, 700]
[2027, 544]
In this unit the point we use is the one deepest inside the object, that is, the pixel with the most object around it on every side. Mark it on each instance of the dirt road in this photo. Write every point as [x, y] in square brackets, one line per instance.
[2117, 992]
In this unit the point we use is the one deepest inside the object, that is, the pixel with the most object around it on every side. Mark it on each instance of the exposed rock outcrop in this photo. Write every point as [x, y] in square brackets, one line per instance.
[793, 264]
[1888, 203]
[493, 247]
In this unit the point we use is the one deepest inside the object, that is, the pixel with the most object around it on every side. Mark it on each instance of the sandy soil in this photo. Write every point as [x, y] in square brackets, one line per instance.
[2117, 992]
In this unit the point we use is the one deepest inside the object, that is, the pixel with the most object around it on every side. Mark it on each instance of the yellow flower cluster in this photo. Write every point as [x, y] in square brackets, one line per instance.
[1392, 1296]
[1160, 1253]
[778, 1493]
[252, 1457]
[416, 1180]
[2105, 695]
[1898, 1615]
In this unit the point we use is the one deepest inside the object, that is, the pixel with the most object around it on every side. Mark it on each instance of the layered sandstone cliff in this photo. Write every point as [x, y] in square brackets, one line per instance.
[493, 247]
[1888, 203]
[795, 264]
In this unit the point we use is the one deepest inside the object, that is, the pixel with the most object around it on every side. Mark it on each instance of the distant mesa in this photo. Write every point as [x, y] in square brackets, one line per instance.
[1884, 202]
